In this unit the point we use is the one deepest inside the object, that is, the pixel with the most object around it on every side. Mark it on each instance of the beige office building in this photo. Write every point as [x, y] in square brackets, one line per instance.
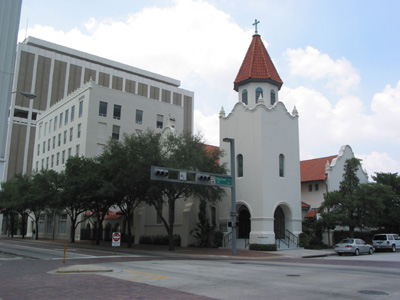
[55, 72]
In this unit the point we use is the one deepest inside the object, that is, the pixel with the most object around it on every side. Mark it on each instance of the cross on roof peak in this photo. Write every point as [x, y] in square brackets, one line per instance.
[255, 24]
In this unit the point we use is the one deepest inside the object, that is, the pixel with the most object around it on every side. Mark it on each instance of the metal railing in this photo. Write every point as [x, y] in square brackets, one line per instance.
[289, 238]
[227, 238]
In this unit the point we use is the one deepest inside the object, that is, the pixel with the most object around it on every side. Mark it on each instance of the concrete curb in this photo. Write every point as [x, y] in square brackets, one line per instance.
[82, 269]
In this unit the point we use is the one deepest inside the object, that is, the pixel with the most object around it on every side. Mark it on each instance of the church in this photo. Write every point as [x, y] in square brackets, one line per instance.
[267, 158]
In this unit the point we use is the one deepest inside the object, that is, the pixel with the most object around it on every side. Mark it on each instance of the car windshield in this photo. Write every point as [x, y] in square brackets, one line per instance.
[346, 241]
[379, 238]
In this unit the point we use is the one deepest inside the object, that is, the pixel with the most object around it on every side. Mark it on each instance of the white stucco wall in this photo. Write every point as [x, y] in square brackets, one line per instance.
[261, 135]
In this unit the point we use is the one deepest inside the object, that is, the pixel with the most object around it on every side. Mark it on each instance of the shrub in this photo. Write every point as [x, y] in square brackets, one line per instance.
[304, 240]
[218, 237]
[262, 247]
[160, 239]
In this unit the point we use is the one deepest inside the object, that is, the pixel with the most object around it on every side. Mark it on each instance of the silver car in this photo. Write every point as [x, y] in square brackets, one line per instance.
[353, 246]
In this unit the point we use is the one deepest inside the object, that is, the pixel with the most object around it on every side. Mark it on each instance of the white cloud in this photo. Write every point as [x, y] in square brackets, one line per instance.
[310, 63]
[379, 162]
[208, 126]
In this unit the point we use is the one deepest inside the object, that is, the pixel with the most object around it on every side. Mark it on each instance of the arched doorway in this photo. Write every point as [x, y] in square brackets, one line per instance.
[279, 223]
[244, 223]
[108, 232]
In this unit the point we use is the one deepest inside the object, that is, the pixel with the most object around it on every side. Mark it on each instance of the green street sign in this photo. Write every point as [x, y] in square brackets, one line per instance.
[223, 180]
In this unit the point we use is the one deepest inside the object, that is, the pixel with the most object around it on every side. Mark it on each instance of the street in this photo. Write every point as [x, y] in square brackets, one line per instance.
[139, 276]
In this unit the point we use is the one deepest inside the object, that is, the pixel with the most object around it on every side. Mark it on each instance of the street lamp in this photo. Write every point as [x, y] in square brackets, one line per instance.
[233, 193]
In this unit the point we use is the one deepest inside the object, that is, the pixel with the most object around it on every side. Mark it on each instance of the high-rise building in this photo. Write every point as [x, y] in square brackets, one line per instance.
[10, 12]
[52, 72]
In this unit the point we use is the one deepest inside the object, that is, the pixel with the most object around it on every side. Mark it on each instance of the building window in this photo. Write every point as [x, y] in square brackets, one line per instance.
[79, 131]
[61, 120]
[63, 157]
[272, 97]
[316, 187]
[58, 159]
[44, 147]
[259, 92]
[115, 132]
[42, 163]
[72, 113]
[38, 149]
[117, 112]
[45, 129]
[69, 152]
[103, 109]
[154, 93]
[62, 224]
[281, 165]
[65, 137]
[66, 117]
[54, 142]
[240, 165]
[310, 188]
[80, 108]
[47, 163]
[55, 122]
[48, 144]
[40, 130]
[70, 134]
[77, 150]
[52, 161]
[139, 116]
[244, 97]
[50, 125]
[166, 96]
[142, 89]
[160, 121]
[59, 139]
[37, 166]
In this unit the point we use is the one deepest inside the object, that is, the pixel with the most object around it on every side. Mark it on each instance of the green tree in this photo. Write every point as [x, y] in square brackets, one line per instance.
[73, 197]
[184, 152]
[8, 206]
[44, 195]
[99, 193]
[127, 164]
[390, 215]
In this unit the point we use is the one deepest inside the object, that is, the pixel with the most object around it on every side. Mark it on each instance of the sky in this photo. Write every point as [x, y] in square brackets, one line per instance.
[339, 60]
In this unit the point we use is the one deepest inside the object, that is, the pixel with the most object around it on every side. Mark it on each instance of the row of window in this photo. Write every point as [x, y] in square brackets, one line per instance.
[61, 120]
[62, 138]
[259, 92]
[46, 224]
[310, 187]
[239, 163]
[56, 159]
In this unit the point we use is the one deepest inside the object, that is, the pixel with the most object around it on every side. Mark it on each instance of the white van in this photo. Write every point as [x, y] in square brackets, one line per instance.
[386, 241]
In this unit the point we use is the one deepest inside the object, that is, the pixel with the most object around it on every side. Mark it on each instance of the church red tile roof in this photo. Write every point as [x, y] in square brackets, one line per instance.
[314, 169]
[311, 214]
[257, 65]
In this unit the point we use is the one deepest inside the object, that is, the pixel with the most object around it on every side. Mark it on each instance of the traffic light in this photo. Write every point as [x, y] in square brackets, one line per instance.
[204, 177]
[161, 172]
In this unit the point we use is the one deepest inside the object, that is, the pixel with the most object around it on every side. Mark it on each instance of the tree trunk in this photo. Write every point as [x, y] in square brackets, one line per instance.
[171, 213]
[129, 221]
[351, 231]
[72, 231]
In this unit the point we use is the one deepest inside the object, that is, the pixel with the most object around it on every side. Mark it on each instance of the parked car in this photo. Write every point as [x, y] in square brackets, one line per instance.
[390, 241]
[353, 246]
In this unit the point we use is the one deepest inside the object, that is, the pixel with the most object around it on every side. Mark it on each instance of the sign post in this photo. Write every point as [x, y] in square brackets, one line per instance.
[116, 240]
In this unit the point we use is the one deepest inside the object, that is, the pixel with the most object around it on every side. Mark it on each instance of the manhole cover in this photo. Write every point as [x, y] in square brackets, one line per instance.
[293, 275]
[371, 292]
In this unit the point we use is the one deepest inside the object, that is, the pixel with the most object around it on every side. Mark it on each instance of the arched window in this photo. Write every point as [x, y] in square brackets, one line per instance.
[259, 91]
[239, 159]
[244, 97]
[281, 165]
[272, 97]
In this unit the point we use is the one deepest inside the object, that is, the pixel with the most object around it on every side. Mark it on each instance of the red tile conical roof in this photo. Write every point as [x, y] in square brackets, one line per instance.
[257, 66]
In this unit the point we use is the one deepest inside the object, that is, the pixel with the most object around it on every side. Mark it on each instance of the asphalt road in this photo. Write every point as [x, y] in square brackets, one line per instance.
[31, 273]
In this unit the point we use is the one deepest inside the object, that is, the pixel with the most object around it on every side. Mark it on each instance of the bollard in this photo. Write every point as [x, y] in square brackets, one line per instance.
[65, 250]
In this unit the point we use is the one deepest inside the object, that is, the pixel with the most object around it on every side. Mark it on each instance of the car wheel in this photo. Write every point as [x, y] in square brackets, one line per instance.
[357, 252]
[393, 248]
[370, 251]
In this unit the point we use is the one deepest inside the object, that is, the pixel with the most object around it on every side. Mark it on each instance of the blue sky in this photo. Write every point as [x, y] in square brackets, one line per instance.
[339, 60]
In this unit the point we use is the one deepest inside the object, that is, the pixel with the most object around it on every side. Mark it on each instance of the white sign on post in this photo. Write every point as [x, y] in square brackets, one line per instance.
[116, 239]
